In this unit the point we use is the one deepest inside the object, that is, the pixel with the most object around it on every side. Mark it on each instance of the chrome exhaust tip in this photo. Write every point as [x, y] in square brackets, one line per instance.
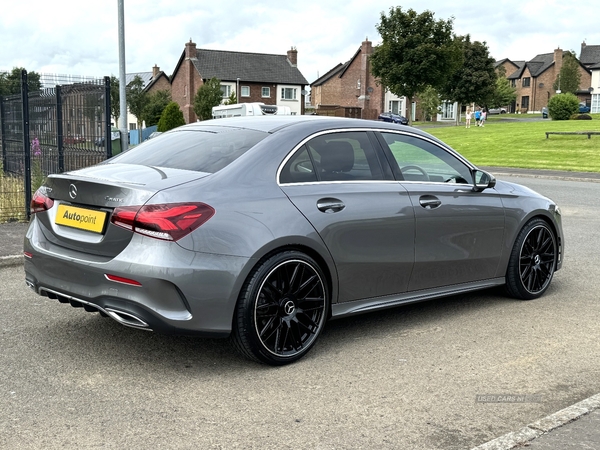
[124, 318]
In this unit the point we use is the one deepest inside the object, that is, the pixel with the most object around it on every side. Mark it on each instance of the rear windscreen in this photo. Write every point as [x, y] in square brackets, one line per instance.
[202, 151]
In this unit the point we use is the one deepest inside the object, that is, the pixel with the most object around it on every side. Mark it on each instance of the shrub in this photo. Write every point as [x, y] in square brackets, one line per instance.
[563, 106]
[582, 117]
[172, 117]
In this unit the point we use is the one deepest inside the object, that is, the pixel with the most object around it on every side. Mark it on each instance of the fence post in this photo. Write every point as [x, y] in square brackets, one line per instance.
[3, 134]
[107, 115]
[59, 129]
[26, 141]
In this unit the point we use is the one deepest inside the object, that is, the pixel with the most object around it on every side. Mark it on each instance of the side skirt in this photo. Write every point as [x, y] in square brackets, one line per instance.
[389, 301]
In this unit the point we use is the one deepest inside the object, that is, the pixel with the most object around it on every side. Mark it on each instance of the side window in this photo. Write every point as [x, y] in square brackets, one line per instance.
[345, 156]
[421, 160]
[298, 169]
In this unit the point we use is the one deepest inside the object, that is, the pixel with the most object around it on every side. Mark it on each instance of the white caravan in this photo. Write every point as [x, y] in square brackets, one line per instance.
[249, 109]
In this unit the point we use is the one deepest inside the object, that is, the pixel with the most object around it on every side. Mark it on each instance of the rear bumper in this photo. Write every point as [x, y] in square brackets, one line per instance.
[179, 291]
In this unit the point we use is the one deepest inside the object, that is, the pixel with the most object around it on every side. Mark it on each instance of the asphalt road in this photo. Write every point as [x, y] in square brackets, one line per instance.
[399, 379]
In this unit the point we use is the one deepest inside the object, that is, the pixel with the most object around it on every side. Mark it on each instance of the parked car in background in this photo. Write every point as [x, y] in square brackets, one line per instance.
[583, 108]
[262, 228]
[73, 139]
[393, 118]
[497, 111]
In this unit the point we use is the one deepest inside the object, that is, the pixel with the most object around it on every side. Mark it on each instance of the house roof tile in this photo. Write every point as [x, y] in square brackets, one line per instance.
[249, 67]
[590, 55]
[145, 76]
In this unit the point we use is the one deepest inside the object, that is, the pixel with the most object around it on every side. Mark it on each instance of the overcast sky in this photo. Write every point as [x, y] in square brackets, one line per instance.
[81, 38]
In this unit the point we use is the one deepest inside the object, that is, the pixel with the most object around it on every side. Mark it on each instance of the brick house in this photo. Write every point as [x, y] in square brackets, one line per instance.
[254, 77]
[590, 58]
[352, 85]
[158, 82]
[534, 81]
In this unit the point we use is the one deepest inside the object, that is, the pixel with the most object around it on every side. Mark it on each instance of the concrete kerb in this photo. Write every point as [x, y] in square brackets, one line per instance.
[12, 260]
[542, 426]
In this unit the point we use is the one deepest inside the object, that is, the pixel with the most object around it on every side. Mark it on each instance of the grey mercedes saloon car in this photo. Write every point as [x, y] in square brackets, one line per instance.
[263, 228]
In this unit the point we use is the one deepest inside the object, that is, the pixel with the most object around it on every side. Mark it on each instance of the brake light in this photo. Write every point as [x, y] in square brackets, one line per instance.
[40, 202]
[169, 222]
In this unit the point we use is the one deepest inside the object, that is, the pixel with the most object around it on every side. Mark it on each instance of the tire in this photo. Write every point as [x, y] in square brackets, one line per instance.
[532, 261]
[281, 310]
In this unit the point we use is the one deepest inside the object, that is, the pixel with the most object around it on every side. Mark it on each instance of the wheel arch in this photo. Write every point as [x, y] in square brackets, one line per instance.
[546, 217]
[325, 263]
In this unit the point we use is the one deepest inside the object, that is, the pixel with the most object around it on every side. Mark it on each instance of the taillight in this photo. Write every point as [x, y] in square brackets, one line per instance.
[169, 222]
[40, 202]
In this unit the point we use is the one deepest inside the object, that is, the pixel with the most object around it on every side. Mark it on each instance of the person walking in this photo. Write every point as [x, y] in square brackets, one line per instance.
[483, 117]
[468, 115]
[477, 116]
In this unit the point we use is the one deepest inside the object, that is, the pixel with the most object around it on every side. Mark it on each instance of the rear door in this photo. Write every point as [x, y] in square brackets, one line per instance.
[366, 219]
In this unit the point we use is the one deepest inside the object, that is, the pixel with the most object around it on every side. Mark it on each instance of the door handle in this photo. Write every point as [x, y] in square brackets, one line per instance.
[330, 205]
[429, 201]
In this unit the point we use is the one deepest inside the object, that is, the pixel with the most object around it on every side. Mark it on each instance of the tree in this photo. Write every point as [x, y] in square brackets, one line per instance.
[115, 96]
[137, 100]
[172, 117]
[475, 80]
[430, 102]
[232, 100]
[208, 95]
[156, 104]
[416, 51]
[10, 82]
[563, 106]
[504, 93]
[569, 77]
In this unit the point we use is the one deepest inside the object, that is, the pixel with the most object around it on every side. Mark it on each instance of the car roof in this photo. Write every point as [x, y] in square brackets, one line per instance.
[271, 124]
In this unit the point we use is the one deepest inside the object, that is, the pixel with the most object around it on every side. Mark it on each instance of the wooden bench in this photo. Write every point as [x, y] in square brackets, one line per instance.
[589, 133]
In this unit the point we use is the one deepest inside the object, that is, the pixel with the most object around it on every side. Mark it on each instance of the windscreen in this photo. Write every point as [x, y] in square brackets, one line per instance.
[202, 151]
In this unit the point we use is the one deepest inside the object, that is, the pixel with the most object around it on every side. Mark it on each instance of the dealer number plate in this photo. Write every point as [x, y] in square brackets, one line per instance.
[81, 218]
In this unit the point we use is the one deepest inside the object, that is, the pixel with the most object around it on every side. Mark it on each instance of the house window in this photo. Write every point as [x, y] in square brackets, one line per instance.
[133, 126]
[525, 102]
[395, 106]
[226, 90]
[595, 108]
[266, 92]
[513, 83]
[447, 110]
[245, 91]
[288, 93]
[526, 82]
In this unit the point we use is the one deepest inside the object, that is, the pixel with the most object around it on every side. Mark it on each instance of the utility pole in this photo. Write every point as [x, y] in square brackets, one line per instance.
[122, 82]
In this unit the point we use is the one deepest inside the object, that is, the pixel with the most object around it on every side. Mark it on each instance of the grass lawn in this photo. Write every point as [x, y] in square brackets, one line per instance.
[523, 144]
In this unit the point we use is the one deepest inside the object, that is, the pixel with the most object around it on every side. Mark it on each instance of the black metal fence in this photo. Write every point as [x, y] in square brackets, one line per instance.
[64, 125]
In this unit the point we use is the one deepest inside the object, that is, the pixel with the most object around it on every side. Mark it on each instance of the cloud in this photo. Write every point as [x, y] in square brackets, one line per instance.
[83, 40]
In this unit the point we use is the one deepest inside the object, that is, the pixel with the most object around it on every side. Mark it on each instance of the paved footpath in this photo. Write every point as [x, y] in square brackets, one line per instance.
[575, 427]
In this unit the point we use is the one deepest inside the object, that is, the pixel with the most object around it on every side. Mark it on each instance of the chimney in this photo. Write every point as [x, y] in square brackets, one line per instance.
[558, 60]
[155, 71]
[190, 50]
[292, 56]
[366, 47]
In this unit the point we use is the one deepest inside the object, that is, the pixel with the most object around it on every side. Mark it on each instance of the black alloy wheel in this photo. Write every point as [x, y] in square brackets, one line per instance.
[532, 261]
[282, 309]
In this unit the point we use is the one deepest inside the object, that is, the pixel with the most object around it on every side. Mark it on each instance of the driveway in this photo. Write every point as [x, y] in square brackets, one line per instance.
[410, 377]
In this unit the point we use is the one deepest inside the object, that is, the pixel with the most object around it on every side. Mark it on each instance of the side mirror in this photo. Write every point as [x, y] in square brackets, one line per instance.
[483, 180]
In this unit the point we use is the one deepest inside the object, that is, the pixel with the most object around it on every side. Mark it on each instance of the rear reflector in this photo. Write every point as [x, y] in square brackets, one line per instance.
[169, 222]
[118, 279]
